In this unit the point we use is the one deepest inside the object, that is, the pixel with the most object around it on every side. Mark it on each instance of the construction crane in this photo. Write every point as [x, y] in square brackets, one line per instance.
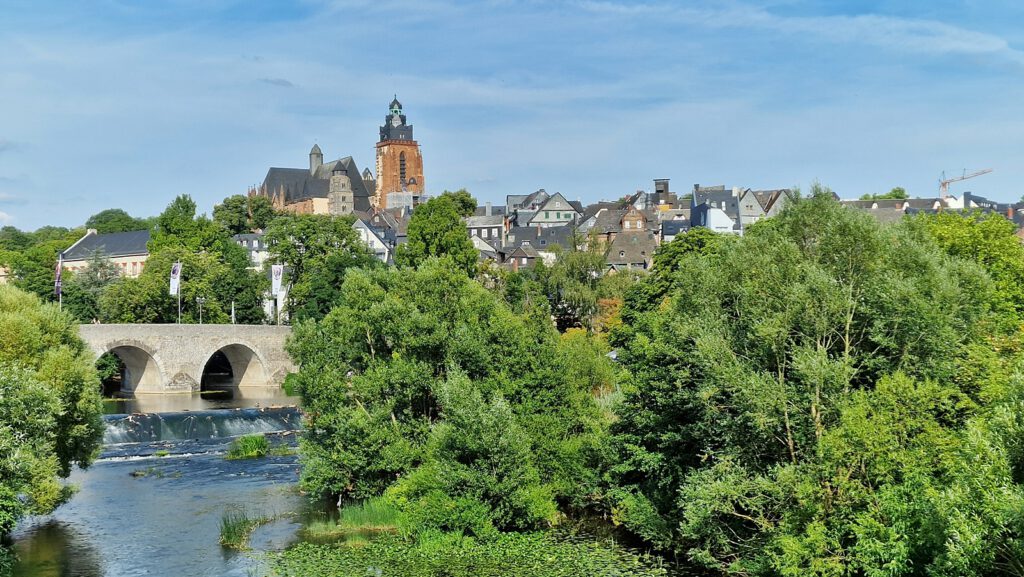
[944, 182]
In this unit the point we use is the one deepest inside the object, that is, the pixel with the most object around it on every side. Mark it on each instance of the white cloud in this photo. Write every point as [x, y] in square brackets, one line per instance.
[915, 35]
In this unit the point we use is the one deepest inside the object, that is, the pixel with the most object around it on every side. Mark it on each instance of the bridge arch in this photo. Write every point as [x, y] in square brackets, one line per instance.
[248, 368]
[142, 372]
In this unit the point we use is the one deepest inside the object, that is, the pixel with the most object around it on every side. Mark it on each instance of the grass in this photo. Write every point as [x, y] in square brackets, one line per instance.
[236, 526]
[249, 447]
[356, 521]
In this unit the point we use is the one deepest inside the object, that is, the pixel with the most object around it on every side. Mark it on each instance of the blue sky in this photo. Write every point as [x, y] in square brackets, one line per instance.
[126, 104]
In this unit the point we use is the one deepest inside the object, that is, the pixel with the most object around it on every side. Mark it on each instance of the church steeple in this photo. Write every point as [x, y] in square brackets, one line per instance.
[399, 179]
[316, 159]
[395, 127]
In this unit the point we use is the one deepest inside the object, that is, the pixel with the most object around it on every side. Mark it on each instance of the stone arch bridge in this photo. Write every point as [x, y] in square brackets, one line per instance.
[173, 358]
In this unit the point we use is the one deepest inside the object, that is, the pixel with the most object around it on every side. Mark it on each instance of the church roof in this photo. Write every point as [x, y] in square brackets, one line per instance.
[316, 149]
[298, 184]
[395, 103]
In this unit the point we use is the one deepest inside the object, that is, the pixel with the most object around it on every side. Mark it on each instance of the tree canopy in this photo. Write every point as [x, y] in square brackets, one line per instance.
[819, 397]
[241, 214]
[49, 406]
[436, 229]
[115, 220]
[471, 417]
[317, 250]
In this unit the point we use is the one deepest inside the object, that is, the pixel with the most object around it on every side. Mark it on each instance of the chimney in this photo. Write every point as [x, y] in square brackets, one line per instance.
[91, 231]
[661, 186]
[487, 209]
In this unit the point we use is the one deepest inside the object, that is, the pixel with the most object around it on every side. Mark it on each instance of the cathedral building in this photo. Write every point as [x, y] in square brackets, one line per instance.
[337, 187]
[399, 162]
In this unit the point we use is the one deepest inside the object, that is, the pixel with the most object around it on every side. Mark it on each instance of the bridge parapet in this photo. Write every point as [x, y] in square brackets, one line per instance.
[171, 358]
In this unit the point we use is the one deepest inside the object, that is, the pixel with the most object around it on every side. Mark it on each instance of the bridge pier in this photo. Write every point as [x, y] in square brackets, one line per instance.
[172, 358]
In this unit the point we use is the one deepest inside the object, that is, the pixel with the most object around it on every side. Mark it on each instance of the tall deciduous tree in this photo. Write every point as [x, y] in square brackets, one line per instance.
[316, 250]
[49, 406]
[436, 229]
[115, 220]
[241, 214]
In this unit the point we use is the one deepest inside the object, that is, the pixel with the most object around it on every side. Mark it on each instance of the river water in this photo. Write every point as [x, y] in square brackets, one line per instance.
[152, 503]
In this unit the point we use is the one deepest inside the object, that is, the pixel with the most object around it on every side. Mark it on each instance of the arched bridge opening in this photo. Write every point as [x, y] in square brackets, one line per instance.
[234, 366]
[131, 370]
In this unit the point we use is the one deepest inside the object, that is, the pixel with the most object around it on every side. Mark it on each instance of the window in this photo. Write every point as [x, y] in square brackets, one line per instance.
[558, 204]
[543, 242]
[494, 231]
[522, 260]
[625, 224]
[487, 233]
[401, 166]
[622, 253]
[545, 214]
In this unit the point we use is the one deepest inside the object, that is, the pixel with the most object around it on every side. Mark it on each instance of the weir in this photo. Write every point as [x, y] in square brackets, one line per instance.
[198, 425]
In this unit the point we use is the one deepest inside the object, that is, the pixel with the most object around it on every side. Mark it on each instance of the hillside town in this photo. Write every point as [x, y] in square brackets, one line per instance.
[528, 228]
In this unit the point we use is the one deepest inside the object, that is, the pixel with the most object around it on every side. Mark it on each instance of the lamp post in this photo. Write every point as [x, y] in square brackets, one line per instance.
[200, 301]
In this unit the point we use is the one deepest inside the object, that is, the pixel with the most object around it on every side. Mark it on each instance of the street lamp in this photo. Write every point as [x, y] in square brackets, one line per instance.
[200, 301]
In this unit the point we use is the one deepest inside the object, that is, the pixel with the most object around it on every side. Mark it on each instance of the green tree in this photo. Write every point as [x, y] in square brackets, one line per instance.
[465, 203]
[49, 406]
[436, 229]
[241, 214]
[897, 193]
[214, 268]
[803, 397]
[114, 220]
[317, 250]
[366, 377]
[82, 290]
[987, 239]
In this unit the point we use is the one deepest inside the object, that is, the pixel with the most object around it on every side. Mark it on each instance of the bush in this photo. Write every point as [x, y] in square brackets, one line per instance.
[510, 555]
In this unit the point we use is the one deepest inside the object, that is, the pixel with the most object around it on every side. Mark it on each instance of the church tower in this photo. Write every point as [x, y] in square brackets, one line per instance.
[399, 163]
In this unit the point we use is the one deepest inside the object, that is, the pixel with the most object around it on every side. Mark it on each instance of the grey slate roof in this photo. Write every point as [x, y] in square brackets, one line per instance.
[543, 238]
[111, 245]
[299, 184]
[484, 221]
[482, 210]
[674, 227]
[636, 248]
[608, 221]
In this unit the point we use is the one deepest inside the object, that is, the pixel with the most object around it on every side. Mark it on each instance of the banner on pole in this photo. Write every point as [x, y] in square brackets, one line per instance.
[175, 278]
[57, 275]
[276, 273]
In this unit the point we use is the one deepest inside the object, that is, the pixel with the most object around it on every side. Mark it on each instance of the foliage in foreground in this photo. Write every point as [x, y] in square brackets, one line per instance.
[510, 555]
[49, 405]
[823, 396]
[473, 417]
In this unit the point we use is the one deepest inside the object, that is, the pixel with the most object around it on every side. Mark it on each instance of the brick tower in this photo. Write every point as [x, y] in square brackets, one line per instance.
[399, 163]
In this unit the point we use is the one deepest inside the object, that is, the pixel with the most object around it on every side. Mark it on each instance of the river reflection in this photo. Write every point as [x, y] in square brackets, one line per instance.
[58, 550]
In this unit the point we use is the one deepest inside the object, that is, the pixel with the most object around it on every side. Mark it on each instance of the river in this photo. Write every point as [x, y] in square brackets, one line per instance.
[152, 503]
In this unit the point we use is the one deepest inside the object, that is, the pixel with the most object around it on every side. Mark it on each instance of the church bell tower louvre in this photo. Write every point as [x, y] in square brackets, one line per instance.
[399, 162]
